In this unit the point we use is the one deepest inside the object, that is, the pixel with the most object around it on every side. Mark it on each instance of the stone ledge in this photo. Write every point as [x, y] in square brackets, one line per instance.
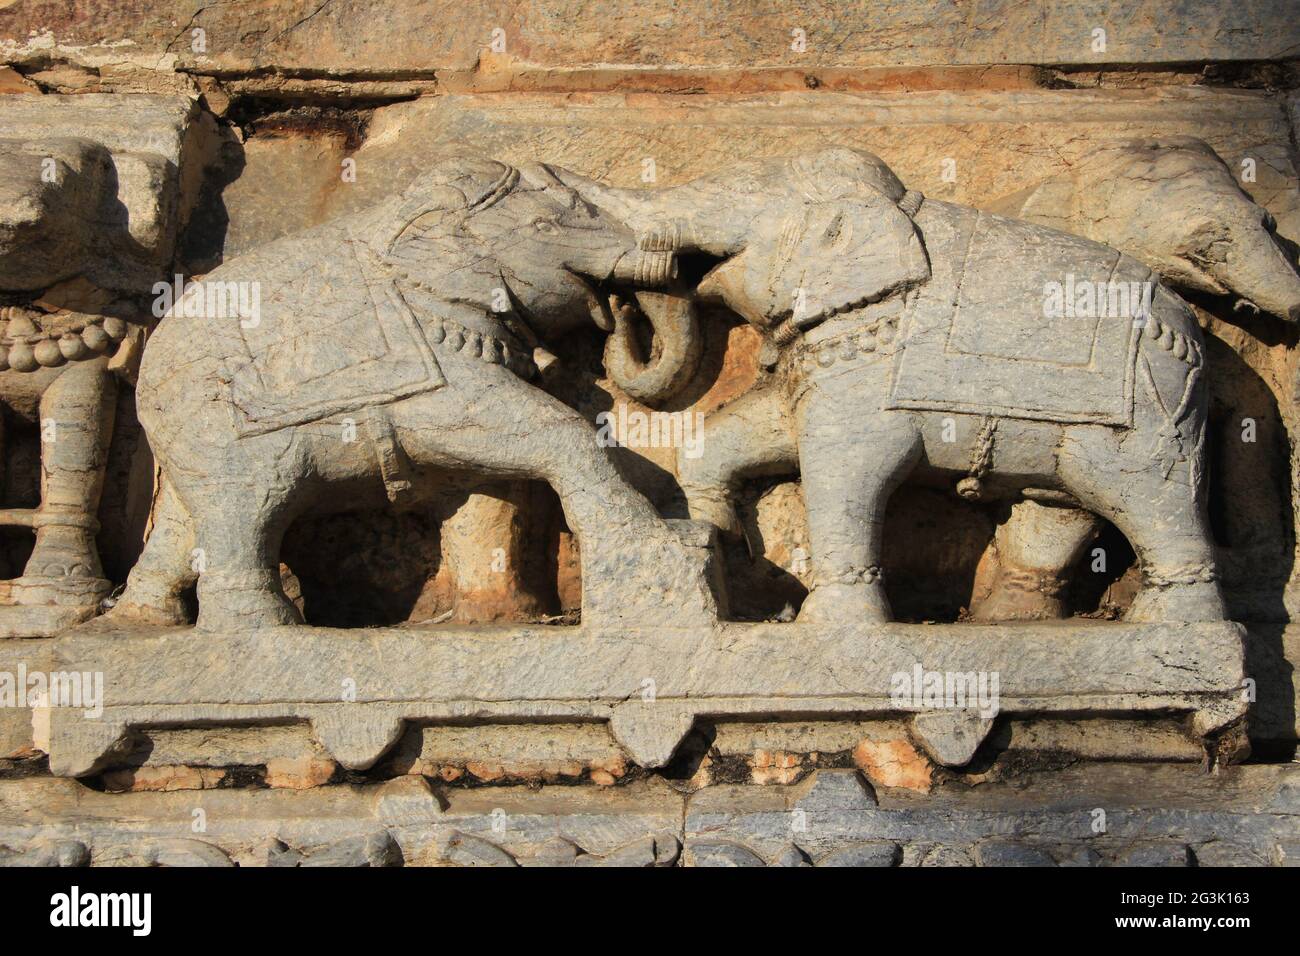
[1148, 816]
[359, 688]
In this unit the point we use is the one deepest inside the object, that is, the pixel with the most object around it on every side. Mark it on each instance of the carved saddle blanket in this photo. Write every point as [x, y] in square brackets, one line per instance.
[331, 335]
[989, 334]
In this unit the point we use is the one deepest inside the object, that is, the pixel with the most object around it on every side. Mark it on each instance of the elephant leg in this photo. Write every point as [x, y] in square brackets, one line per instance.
[76, 413]
[164, 569]
[750, 436]
[237, 494]
[237, 531]
[635, 567]
[1163, 518]
[1035, 547]
[851, 461]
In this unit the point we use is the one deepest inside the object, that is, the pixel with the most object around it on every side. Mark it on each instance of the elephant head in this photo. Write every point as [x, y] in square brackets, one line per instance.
[1173, 204]
[543, 250]
[48, 224]
[791, 239]
[810, 259]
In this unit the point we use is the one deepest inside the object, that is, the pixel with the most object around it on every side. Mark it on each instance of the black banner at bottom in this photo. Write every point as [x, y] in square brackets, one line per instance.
[338, 905]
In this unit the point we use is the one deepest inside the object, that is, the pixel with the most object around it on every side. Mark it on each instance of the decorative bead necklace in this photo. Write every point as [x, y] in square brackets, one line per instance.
[25, 346]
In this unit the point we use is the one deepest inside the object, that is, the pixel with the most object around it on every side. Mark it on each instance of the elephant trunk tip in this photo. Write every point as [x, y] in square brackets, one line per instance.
[654, 380]
[1287, 312]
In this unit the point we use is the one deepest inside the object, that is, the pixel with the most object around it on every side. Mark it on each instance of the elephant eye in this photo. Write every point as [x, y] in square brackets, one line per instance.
[544, 225]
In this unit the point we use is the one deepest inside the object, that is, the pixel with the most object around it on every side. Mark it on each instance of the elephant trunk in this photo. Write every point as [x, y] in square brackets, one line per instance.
[748, 438]
[1263, 276]
[676, 335]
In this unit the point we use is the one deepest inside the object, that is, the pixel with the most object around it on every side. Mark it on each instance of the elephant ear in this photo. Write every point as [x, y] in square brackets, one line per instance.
[820, 258]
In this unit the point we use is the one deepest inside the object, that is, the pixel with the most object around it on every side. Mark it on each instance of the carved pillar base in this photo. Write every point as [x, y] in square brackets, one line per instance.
[1033, 551]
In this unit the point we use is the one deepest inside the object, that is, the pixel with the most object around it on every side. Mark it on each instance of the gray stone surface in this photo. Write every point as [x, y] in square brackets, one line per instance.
[1089, 816]
[951, 736]
[1012, 853]
[127, 219]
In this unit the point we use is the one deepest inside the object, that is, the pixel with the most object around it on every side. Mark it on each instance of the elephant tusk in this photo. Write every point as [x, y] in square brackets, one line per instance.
[647, 268]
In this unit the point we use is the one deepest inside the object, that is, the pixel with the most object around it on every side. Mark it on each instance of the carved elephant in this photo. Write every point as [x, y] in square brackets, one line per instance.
[912, 337]
[1173, 204]
[389, 344]
[1220, 243]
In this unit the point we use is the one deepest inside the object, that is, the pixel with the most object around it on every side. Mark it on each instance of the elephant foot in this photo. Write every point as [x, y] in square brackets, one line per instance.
[243, 601]
[859, 603]
[1021, 595]
[1185, 601]
[664, 577]
[150, 598]
[164, 614]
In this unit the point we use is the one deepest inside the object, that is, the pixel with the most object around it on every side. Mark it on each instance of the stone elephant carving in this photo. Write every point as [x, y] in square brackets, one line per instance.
[1174, 205]
[389, 343]
[1220, 243]
[915, 336]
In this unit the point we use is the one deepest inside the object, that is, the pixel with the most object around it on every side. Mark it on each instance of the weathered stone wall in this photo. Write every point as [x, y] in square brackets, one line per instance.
[275, 117]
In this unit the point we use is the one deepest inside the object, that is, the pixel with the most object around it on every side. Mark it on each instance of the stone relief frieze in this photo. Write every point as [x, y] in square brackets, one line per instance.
[1043, 356]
